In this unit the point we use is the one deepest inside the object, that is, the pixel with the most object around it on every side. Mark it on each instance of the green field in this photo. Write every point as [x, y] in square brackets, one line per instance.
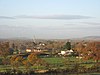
[54, 60]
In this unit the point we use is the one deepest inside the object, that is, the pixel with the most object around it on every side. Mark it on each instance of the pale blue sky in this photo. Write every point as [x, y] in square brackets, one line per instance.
[49, 19]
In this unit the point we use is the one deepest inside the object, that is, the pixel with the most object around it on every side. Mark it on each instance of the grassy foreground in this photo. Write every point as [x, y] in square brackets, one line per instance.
[69, 63]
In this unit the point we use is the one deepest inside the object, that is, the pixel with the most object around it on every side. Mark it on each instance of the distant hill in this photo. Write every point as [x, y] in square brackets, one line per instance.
[92, 38]
[16, 38]
[37, 40]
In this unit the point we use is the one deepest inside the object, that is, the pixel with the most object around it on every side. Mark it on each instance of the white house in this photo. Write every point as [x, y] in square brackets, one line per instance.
[28, 50]
[68, 52]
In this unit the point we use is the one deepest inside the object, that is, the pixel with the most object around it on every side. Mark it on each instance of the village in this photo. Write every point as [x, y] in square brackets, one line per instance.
[50, 55]
[46, 48]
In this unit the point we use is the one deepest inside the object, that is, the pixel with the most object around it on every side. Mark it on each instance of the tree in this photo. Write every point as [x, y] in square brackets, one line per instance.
[67, 46]
[79, 48]
[16, 61]
[35, 61]
[13, 46]
[4, 51]
[92, 51]
[12, 61]
[27, 65]
[32, 58]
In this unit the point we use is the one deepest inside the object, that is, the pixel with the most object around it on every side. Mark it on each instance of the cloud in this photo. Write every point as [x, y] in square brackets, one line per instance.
[61, 17]
[6, 17]
[10, 27]
[92, 23]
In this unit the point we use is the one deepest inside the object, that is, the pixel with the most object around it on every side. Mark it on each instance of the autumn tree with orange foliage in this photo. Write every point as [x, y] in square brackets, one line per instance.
[16, 61]
[4, 52]
[27, 65]
[79, 48]
[4, 49]
[32, 58]
[90, 50]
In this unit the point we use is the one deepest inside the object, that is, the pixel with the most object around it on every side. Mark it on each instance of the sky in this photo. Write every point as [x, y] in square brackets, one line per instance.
[49, 19]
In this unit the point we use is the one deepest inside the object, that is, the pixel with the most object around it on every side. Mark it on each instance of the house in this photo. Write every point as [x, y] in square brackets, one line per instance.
[67, 52]
[28, 50]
